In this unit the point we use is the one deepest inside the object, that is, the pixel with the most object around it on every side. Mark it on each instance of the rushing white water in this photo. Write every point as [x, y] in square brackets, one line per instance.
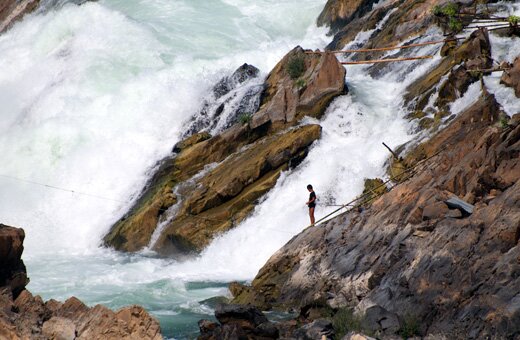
[95, 95]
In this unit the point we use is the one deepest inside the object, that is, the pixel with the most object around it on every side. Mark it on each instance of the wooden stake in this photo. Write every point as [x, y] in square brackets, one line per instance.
[391, 151]
[384, 60]
[388, 48]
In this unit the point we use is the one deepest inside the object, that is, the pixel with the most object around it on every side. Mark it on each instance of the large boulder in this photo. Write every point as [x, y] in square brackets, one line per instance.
[12, 269]
[301, 84]
[226, 194]
[511, 77]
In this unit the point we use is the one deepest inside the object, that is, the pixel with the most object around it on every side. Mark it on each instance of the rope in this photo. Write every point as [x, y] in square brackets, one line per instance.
[62, 189]
[384, 60]
[389, 48]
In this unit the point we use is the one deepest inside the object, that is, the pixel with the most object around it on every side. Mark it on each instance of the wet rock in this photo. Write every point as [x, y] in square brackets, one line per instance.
[13, 10]
[338, 13]
[511, 77]
[229, 94]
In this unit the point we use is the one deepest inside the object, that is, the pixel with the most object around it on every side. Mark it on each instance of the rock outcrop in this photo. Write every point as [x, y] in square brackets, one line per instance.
[24, 316]
[407, 256]
[13, 276]
[511, 77]
[212, 183]
[338, 13]
[13, 10]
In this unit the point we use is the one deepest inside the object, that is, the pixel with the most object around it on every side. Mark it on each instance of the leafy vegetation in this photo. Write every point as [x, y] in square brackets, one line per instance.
[410, 327]
[245, 118]
[344, 321]
[503, 122]
[300, 83]
[513, 20]
[450, 13]
[296, 67]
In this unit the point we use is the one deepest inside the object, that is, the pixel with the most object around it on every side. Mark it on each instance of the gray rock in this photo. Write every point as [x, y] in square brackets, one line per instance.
[237, 313]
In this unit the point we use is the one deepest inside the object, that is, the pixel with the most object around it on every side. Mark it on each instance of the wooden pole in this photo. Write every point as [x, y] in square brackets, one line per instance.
[387, 48]
[384, 60]
[391, 151]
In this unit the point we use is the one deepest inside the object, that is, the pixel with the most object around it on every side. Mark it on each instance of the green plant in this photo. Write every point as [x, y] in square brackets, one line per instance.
[437, 10]
[344, 321]
[455, 25]
[245, 118]
[300, 83]
[296, 66]
[513, 20]
[503, 122]
[410, 327]
[451, 9]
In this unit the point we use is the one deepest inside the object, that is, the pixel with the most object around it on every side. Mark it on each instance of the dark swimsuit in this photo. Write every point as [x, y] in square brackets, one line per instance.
[311, 196]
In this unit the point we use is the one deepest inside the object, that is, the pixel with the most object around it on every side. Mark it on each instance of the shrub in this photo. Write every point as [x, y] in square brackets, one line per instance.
[344, 321]
[410, 327]
[513, 20]
[503, 122]
[245, 118]
[296, 67]
[300, 83]
[455, 25]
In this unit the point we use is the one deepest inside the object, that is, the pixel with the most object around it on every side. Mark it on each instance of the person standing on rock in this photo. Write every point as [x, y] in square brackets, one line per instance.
[311, 203]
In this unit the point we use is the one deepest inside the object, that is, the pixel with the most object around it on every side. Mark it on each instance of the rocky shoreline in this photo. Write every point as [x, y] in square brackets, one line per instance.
[25, 316]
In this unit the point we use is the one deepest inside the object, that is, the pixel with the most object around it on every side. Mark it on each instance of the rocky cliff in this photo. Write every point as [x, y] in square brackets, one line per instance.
[211, 183]
[438, 255]
[24, 316]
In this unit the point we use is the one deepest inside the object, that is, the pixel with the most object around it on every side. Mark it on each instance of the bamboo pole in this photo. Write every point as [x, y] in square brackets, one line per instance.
[384, 60]
[387, 48]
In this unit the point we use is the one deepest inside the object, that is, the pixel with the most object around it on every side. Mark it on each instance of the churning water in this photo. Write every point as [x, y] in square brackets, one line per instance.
[93, 96]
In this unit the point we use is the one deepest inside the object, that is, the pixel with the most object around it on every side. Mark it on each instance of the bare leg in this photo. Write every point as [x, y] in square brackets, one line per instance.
[311, 214]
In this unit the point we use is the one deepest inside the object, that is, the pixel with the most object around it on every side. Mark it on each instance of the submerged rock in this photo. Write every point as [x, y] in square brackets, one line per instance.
[230, 100]
[24, 316]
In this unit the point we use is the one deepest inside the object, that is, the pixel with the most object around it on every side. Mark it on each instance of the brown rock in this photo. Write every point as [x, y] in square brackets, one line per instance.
[373, 257]
[337, 13]
[13, 10]
[59, 329]
[12, 268]
[511, 77]
[226, 194]
[324, 79]
[434, 211]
